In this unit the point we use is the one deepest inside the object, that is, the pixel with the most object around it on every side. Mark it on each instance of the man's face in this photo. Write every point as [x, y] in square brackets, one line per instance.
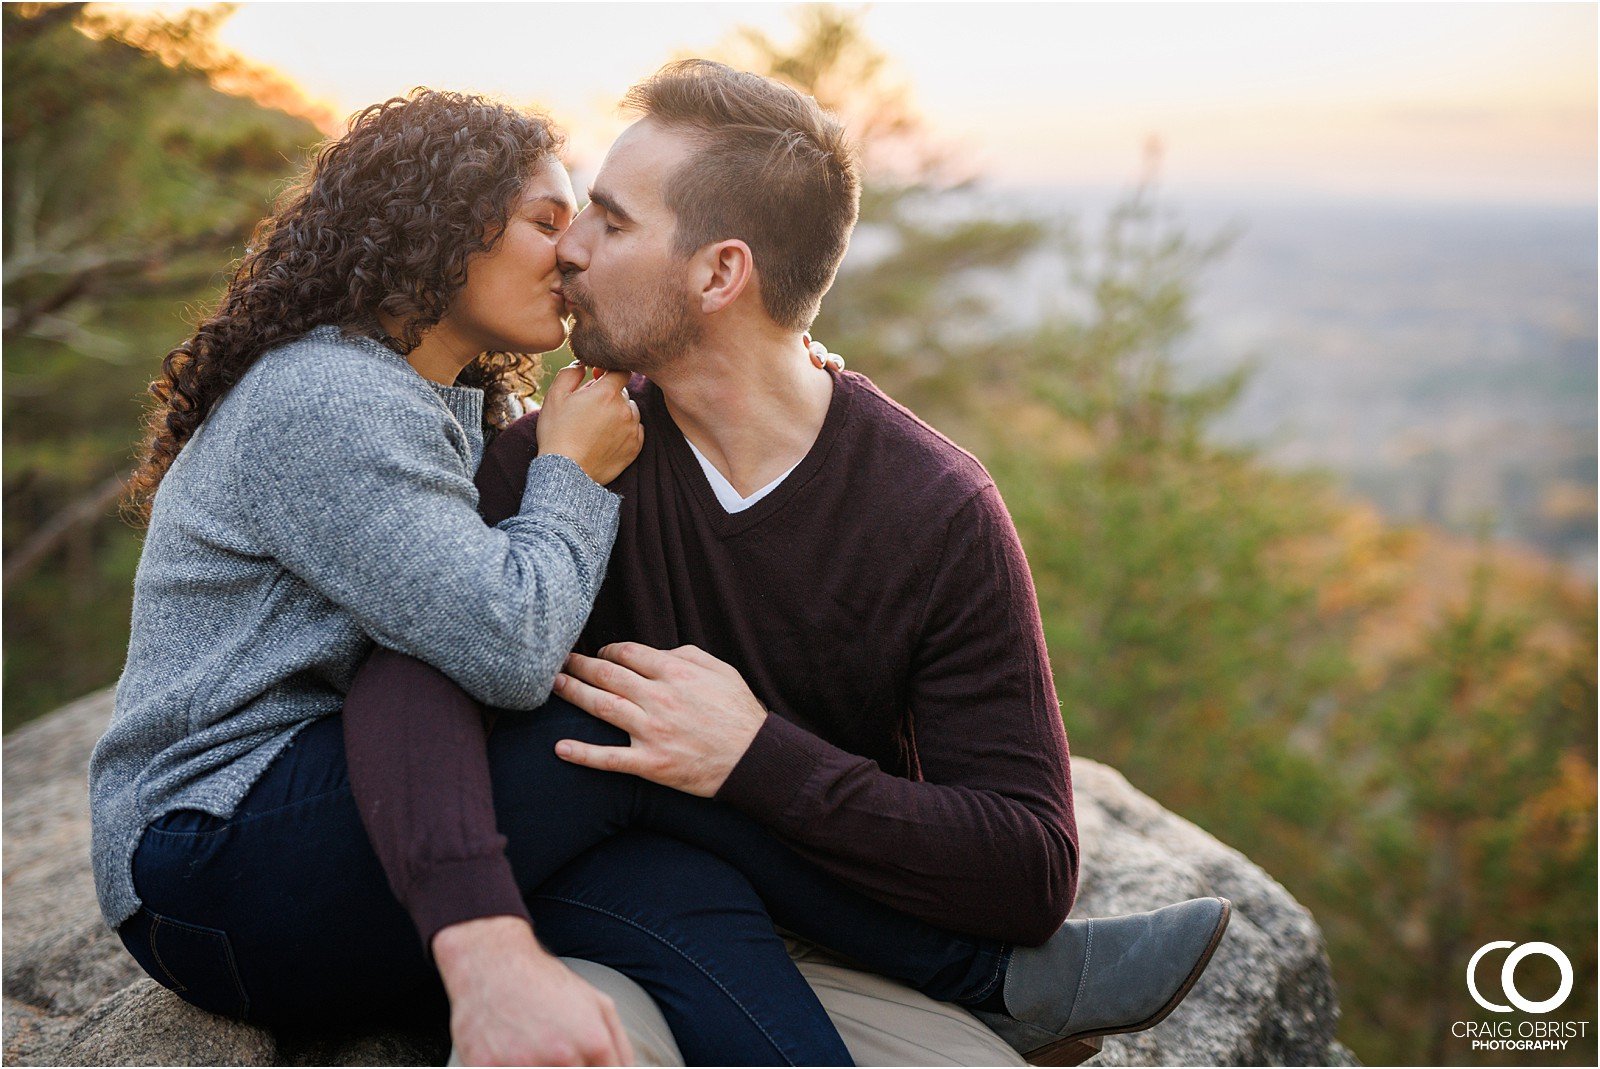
[628, 293]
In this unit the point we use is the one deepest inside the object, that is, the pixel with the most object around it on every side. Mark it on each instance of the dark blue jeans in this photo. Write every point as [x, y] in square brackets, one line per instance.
[282, 915]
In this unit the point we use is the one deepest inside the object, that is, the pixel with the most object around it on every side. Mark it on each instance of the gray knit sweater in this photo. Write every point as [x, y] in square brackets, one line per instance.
[326, 502]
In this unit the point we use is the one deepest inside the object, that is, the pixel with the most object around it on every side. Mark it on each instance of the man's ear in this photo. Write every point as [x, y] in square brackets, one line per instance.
[726, 269]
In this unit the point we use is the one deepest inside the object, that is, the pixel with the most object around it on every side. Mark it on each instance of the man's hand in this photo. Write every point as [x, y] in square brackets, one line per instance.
[690, 715]
[513, 1003]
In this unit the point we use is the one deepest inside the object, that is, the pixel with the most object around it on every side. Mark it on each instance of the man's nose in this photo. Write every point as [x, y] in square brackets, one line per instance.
[571, 253]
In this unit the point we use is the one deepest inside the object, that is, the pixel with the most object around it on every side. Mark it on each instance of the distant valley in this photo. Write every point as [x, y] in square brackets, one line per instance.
[1440, 359]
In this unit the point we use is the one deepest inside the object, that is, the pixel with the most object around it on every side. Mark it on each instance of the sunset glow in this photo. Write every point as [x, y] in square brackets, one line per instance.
[1490, 102]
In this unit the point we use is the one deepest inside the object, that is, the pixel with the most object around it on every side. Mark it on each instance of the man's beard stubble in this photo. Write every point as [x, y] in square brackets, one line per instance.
[663, 330]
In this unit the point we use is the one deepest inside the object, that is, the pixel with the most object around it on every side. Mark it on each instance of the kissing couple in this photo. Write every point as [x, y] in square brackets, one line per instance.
[701, 716]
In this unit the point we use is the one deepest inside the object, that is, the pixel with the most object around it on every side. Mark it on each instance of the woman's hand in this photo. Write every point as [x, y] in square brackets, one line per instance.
[513, 1003]
[592, 421]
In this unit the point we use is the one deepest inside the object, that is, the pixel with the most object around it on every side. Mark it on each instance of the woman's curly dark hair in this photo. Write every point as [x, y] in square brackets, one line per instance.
[385, 219]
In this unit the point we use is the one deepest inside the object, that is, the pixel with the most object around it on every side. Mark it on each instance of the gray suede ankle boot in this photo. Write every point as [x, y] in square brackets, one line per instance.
[1105, 975]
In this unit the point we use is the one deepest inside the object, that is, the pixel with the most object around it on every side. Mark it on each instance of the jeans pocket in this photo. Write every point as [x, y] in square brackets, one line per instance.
[192, 961]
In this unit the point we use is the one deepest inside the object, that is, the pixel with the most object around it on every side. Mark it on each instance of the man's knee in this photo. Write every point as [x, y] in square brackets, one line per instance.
[884, 1022]
[641, 1017]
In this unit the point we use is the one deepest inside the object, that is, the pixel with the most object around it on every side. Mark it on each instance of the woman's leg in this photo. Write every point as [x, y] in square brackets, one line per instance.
[282, 915]
[551, 810]
[696, 937]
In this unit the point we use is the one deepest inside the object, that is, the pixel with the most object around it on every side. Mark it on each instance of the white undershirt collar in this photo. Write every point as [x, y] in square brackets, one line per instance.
[727, 496]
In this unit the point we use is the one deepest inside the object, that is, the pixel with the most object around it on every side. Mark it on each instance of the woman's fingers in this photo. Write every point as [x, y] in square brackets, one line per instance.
[567, 379]
[820, 357]
[609, 381]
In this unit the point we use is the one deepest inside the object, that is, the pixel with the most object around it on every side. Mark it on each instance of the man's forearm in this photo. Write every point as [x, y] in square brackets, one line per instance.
[989, 852]
[979, 834]
[1000, 865]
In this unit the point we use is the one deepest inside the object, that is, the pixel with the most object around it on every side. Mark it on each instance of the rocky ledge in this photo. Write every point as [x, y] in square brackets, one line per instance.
[73, 996]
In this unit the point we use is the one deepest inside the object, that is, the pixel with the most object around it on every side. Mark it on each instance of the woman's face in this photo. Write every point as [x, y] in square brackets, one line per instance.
[511, 301]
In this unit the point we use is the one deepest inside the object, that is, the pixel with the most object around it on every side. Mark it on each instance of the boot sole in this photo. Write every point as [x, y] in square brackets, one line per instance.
[1066, 1052]
[1071, 1050]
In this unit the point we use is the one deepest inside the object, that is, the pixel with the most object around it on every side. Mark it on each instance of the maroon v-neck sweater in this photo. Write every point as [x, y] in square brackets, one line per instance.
[877, 601]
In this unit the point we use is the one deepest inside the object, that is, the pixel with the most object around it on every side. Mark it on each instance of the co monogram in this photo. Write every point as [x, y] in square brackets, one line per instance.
[1508, 976]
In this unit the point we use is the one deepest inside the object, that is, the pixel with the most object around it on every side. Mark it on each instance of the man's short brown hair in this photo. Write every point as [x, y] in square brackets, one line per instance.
[773, 170]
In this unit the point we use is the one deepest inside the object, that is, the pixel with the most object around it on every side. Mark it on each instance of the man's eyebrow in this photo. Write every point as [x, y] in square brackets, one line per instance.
[606, 201]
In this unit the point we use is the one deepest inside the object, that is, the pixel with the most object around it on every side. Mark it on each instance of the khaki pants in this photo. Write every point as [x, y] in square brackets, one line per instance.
[882, 1021]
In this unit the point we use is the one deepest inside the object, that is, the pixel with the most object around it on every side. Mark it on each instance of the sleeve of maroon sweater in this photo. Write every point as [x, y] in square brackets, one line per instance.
[985, 841]
[417, 749]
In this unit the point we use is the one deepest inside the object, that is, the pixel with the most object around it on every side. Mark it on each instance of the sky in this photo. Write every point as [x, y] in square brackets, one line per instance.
[1490, 103]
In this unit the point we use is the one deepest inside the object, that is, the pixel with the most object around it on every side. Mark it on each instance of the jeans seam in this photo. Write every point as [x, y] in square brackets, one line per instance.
[238, 981]
[157, 920]
[234, 822]
[670, 945]
[155, 949]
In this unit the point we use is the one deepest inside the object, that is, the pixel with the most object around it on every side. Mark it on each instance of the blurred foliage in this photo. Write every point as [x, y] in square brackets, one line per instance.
[1395, 723]
[129, 184]
[1473, 763]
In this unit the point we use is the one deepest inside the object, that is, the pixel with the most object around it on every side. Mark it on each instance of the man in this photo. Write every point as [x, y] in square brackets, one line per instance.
[817, 613]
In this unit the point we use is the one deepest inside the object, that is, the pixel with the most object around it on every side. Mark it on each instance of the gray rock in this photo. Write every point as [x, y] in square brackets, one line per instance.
[73, 994]
[1339, 1054]
[74, 997]
[32, 1037]
[420, 1047]
[1267, 998]
[59, 955]
[145, 1024]
[67, 969]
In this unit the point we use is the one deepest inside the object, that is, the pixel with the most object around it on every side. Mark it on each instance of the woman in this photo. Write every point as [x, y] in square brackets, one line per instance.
[307, 482]
[308, 489]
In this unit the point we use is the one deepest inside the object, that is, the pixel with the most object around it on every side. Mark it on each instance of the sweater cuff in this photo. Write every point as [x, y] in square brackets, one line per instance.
[450, 892]
[770, 779]
[557, 482]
